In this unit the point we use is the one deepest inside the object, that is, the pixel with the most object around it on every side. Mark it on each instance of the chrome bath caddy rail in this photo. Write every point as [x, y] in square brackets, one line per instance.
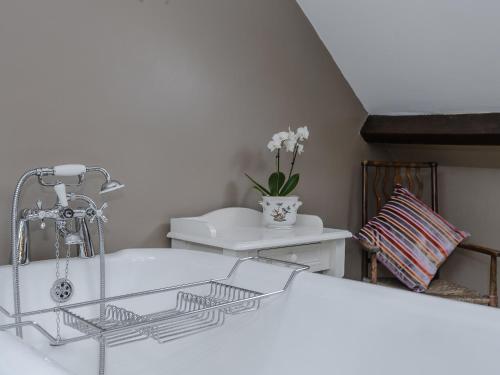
[114, 325]
[192, 313]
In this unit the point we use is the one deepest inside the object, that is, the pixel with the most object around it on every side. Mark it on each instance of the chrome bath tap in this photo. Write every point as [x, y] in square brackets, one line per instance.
[62, 215]
[72, 224]
[86, 248]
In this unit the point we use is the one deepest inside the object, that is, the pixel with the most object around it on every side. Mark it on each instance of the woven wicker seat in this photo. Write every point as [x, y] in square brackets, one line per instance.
[385, 176]
[443, 288]
[449, 289]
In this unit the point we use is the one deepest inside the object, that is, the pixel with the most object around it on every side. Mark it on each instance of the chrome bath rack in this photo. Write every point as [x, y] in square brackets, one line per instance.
[193, 312]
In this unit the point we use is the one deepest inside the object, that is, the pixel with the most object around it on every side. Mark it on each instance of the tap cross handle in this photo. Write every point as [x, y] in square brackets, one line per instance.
[100, 214]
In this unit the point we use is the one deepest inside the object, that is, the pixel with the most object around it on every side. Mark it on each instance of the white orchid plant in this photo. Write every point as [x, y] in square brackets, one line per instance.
[280, 185]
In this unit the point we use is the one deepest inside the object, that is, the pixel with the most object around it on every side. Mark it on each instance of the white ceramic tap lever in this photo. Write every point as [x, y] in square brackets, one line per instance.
[69, 169]
[60, 190]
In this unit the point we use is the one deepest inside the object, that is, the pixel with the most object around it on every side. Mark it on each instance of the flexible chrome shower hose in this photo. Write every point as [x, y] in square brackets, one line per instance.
[102, 286]
[14, 252]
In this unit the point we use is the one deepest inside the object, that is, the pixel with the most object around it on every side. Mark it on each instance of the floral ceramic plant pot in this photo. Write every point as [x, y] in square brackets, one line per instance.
[280, 212]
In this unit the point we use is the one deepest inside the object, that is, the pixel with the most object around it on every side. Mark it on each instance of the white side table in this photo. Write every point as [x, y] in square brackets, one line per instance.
[238, 232]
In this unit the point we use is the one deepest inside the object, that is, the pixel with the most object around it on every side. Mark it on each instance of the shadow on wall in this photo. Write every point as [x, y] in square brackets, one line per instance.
[245, 161]
[470, 198]
[353, 250]
[157, 237]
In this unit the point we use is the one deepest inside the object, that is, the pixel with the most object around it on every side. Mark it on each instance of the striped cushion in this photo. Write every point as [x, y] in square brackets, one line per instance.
[414, 241]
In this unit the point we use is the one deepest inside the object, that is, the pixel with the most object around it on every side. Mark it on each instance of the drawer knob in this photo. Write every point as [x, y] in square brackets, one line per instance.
[293, 257]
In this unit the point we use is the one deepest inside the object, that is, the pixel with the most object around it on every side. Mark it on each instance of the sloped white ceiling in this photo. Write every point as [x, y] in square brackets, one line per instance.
[414, 56]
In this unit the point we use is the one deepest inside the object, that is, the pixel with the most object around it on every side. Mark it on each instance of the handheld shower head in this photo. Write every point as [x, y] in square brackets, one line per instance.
[76, 170]
[108, 185]
[111, 185]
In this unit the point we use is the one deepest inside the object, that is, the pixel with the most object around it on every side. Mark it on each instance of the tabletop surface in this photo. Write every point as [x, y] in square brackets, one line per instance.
[240, 229]
[252, 238]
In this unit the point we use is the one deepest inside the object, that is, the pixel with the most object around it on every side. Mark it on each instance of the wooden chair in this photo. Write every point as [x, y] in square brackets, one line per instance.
[378, 180]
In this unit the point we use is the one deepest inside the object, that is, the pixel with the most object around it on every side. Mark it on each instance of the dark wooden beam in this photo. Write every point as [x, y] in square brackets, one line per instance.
[466, 129]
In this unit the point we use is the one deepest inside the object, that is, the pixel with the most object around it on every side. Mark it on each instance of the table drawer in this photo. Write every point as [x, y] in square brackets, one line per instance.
[313, 255]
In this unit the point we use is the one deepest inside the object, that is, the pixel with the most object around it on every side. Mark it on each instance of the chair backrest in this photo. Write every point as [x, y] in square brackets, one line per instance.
[380, 177]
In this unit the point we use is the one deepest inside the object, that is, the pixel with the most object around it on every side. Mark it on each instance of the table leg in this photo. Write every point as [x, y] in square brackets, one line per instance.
[337, 258]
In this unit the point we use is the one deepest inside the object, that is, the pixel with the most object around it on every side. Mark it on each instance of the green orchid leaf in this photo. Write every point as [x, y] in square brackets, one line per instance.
[259, 190]
[289, 185]
[259, 186]
[276, 181]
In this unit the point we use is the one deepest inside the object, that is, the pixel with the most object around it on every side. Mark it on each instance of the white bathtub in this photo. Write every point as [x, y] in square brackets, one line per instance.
[322, 325]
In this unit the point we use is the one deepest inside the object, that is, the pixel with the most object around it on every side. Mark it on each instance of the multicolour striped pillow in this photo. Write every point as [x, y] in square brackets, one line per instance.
[414, 241]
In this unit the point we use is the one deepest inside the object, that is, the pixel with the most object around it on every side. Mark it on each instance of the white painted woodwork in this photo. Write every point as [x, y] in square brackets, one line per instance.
[237, 231]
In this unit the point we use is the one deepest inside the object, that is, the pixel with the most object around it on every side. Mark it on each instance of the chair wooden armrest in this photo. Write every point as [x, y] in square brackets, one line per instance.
[480, 249]
[369, 248]
[493, 254]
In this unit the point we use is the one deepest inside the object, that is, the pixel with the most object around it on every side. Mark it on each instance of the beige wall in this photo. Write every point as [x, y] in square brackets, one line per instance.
[177, 101]
[469, 183]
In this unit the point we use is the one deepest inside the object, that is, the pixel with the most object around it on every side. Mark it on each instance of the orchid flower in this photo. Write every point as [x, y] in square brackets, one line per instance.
[302, 133]
[278, 184]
